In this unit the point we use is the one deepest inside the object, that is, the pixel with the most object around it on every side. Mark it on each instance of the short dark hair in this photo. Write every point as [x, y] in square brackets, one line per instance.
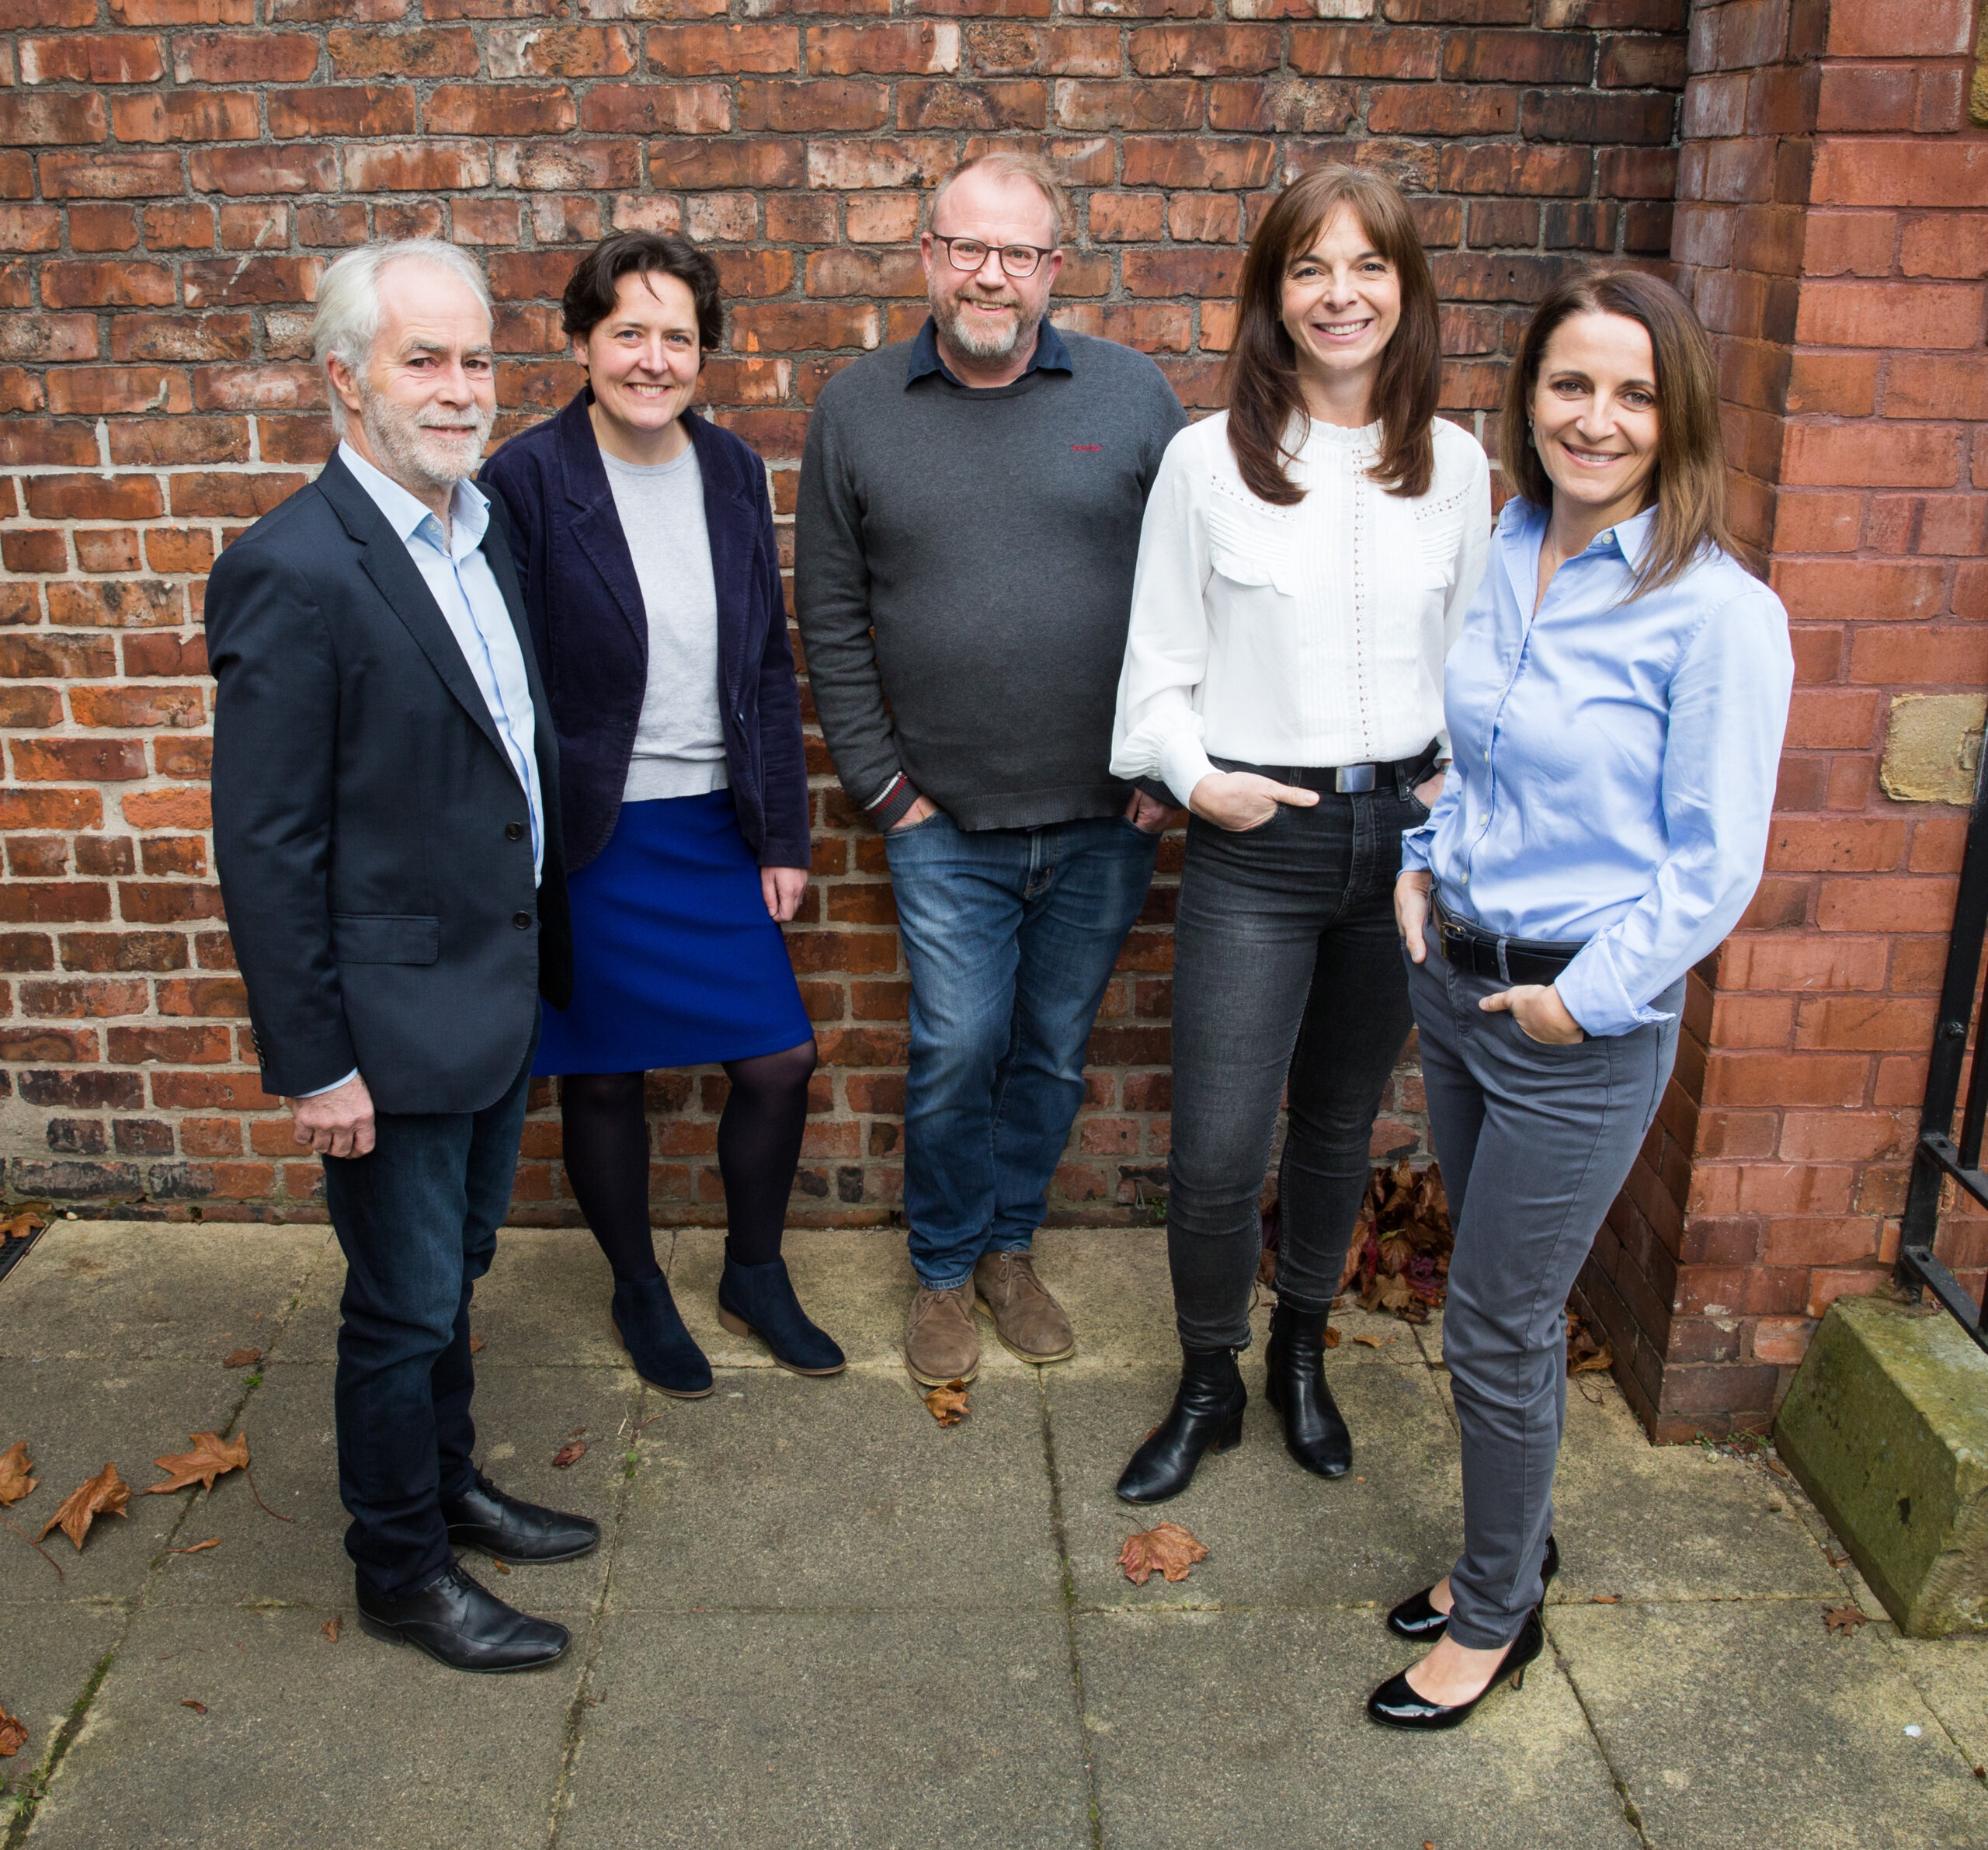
[590, 290]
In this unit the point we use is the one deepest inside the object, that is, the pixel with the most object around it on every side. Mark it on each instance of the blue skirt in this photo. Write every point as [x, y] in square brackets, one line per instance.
[676, 960]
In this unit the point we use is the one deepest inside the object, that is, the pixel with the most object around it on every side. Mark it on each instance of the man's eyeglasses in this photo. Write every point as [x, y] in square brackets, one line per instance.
[970, 253]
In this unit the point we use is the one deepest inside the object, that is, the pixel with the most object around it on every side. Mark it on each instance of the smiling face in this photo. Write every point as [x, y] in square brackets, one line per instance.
[642, 359]
[1342, 304]
[425, 395]
[1595, 419]
[986, 314]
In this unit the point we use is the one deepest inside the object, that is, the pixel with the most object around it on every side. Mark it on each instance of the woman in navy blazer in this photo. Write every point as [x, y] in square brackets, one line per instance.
[644, 542]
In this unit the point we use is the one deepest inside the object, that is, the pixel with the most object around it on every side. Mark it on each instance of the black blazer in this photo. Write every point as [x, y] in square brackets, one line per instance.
[593, 633]
[374, 842]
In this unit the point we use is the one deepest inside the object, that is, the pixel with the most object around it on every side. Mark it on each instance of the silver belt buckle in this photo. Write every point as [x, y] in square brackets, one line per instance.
[1353, 780]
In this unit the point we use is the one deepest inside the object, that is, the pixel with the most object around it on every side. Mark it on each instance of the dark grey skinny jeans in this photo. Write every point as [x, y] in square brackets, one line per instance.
[1535, 1141]
[1286, 968]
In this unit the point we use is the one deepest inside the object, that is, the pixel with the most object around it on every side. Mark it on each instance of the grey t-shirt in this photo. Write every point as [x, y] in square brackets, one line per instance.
[680, 740]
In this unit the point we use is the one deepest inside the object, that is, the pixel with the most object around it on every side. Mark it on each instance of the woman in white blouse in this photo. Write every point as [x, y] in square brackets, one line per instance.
[1306, 559]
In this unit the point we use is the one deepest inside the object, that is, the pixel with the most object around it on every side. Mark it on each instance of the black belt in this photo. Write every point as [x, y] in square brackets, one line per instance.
[1483, 953]
[1345, 780]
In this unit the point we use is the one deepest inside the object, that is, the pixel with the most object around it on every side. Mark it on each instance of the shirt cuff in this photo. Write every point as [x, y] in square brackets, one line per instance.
[333, 1087]
[1184, 762]
[1416, 845]
[1594, 996]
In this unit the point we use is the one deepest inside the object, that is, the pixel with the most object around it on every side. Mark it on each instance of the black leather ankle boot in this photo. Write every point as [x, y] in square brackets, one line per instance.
[1207, 1416]
[1294, 1384]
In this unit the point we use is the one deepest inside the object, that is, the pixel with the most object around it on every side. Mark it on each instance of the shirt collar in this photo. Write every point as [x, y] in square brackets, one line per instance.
[469, 508]
[1628, 538]
[1050, 356]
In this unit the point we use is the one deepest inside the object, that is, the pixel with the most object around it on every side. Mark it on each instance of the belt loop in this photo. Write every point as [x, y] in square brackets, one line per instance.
[1504, 971]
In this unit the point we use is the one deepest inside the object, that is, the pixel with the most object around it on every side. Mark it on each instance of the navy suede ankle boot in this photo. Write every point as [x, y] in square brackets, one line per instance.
[646, 1320]
[758, 1300]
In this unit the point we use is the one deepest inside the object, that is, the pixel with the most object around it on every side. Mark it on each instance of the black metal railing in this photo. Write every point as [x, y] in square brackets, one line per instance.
[1939, 1154]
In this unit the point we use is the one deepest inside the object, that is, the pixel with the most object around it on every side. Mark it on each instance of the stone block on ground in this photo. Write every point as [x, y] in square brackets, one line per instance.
[1886, 1426]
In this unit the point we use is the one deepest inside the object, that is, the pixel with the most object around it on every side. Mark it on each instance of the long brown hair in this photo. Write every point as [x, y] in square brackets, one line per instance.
[1689, 480]
[1261, 378]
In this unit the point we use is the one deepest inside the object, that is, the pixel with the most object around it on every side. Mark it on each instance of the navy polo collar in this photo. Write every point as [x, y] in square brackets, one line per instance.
[1050, 356]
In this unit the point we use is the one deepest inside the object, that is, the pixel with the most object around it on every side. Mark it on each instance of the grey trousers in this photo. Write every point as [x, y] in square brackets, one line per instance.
[1534, 1141]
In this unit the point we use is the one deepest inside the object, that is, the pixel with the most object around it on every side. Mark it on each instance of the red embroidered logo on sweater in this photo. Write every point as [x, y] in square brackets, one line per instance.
[1086, 446]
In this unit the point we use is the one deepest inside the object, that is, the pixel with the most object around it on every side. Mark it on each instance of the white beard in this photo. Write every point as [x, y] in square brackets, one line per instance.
[399, 436]
[973, 337]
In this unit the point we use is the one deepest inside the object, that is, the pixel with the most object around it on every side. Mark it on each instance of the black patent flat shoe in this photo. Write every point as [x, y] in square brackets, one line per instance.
[1397, 1704]
[458, 1623]
[513, 1530]
[1416, 1620]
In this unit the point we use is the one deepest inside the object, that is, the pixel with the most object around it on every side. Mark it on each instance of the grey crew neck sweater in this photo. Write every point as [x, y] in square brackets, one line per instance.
[963, 579]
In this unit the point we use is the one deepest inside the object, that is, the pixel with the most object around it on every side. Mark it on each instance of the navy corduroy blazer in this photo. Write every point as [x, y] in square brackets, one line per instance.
[591, 632]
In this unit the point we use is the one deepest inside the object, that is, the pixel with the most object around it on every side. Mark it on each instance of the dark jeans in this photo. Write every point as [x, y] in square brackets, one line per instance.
[418, 1221]
[1010, 935]
[1286, 971]
[1535, 1140]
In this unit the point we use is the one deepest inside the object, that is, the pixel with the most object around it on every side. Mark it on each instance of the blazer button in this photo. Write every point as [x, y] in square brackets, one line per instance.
[522, 921]
[514, 832]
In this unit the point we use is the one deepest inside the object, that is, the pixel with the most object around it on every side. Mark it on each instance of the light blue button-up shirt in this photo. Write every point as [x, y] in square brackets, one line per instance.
[1614, 762]
[455, 570]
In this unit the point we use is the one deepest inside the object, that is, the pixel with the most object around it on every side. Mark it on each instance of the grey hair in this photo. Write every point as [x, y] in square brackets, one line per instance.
[1011, 163]
[347, 320]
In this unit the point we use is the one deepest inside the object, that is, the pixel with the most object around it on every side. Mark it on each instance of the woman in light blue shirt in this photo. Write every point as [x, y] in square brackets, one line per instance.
[1615, 708]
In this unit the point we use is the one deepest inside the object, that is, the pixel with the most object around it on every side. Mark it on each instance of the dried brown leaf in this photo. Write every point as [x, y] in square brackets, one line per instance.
[571, 1453]
[1606, 1599]
[1844, 1619]
[947, 1404]
[242, 1358]
[1596, 1361]
[1368, 1342]
[105, 1494]
[15, 1465]
[198, 1547]
[212, 1456]
[197, 1708]
[1332, 1338]
[13, 1735]
[476, 1345]
[1168, 1549]
[1393, 1292]
[332, 1626]
[499, 1565]
[24, 1222]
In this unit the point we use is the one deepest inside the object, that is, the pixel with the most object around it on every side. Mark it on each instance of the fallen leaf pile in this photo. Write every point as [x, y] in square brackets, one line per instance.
[1169, 1549]
[947, 1404]
[1400, 1253]
[1844, 1619]
[13, 1735]
[1586, 1352]
[105, 1494]
[15, 1465]
[211, 1457]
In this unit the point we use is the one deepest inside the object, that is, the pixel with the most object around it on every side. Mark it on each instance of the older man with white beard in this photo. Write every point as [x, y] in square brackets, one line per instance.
[967, 530]
[387, 829]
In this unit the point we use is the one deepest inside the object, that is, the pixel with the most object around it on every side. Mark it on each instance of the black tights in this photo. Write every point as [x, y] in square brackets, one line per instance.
[606, 1138]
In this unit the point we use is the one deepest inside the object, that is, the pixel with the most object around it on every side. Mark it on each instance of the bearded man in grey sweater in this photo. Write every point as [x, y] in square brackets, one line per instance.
[965, 539]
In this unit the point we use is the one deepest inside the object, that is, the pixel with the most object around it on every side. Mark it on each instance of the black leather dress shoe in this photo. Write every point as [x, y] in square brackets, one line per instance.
[459, 1623]
[513, 1530]
[1416, 1618]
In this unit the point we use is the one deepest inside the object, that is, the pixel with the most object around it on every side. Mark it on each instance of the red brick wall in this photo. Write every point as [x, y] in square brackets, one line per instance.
[1831, 226]
[175, 173]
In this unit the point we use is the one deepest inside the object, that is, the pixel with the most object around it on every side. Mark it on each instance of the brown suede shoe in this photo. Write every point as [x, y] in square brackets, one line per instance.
[1030, 1323]
[940, 1343]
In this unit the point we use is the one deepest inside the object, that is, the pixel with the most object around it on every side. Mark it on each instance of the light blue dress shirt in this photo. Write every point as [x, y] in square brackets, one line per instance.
[456, 571]
[1614, 762]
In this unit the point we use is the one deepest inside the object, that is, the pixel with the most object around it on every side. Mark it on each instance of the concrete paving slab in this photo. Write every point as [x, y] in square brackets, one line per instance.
[855, 1283]
[1951, 1673]
[523, 1415]
[543, 1304]
[304, 1742]
[843, 1493]
[77, 1415]
[816, 1731]
[1277, 1535]
[51, 1654]
[1745, 1723]
[1671, 1522]
[140, 1292]
[1220, 1729]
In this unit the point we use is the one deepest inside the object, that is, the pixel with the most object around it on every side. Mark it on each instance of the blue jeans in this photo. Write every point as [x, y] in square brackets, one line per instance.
[417, 1219]
[1010, 935]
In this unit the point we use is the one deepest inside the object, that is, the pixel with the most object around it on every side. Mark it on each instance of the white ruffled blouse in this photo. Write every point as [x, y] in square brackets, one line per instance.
[1306, 635]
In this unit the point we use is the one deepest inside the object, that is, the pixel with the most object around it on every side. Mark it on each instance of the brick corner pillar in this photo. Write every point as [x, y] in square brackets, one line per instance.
[1832, 227]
